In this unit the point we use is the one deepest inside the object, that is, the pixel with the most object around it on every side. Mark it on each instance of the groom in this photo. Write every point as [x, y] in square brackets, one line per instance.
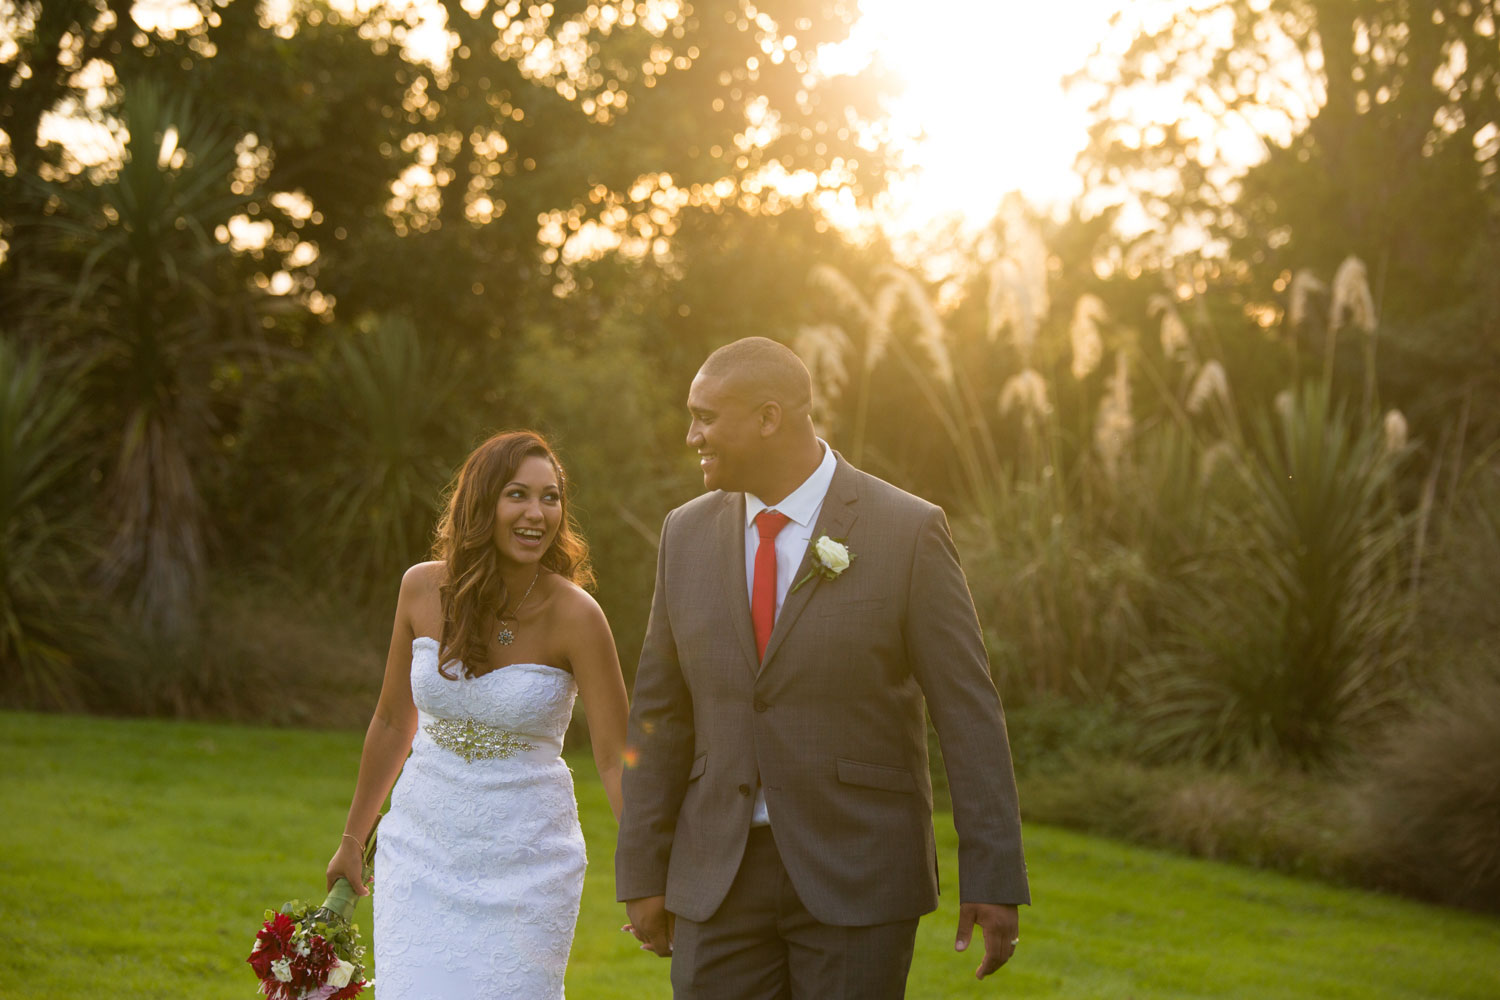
[777, 835]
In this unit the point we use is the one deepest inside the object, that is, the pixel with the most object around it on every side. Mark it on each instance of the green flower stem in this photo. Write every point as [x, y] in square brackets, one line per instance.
[341, 900]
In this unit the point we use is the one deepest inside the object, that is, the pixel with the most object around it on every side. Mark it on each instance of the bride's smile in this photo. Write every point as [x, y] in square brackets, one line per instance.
[529, 511]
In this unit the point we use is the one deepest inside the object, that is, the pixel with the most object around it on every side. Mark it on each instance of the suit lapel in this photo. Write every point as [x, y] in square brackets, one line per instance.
[730, 543]
[834, 520]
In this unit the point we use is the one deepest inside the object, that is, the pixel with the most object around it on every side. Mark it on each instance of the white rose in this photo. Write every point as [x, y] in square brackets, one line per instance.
[282, 969]
[340, 973]
[832, 554]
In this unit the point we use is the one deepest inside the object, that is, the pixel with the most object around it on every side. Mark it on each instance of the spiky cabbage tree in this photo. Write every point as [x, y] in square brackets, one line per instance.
[138, 279]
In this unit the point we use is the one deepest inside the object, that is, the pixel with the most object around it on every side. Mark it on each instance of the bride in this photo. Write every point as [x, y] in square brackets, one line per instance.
[480, 858]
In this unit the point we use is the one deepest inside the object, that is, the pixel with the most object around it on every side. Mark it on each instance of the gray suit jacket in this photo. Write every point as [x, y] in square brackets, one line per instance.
[831, 722]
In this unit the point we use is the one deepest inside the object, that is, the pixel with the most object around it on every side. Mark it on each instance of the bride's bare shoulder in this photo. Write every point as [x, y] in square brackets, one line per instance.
[424, 579]
[575, 605]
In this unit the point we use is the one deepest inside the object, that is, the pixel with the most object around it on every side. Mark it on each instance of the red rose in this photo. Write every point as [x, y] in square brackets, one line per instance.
[352, 990]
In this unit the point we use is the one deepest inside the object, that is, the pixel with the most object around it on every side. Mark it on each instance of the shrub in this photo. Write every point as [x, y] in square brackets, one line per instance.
[1433, 797]
[1052, 734]
[1291, 822]
[271, 651]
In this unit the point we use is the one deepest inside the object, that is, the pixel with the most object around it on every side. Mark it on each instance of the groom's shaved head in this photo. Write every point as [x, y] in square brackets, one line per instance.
[758, 369]
[751, 410]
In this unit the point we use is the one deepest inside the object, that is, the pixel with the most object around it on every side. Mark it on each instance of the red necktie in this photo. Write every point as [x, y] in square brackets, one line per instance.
[763, 595]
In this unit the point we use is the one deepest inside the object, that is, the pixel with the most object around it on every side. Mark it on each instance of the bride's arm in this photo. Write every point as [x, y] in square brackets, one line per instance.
[387, 741]
[601, 687]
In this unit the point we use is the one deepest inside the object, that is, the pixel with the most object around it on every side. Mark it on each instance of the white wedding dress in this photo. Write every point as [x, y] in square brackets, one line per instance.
[479, 862]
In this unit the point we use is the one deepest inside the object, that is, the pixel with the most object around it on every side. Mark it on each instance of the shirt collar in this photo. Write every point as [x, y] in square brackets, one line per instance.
[802, 504]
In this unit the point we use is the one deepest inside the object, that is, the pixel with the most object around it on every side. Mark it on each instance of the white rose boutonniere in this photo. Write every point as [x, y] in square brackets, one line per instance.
[830, 557]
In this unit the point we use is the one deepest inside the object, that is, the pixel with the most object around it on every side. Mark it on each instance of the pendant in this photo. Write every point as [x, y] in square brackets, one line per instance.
[506, 637]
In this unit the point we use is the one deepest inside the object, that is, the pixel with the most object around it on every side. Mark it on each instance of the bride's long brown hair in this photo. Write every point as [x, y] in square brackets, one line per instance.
[473, 591]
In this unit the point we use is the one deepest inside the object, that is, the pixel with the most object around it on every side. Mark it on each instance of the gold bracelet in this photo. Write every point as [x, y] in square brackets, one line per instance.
[352, 837]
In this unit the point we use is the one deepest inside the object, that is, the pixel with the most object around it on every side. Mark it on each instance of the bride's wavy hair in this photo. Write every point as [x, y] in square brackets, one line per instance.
[473, 591]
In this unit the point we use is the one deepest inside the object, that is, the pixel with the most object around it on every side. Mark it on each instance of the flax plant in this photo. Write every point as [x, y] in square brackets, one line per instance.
[1293, 643]
[375, 443]
[45, 542]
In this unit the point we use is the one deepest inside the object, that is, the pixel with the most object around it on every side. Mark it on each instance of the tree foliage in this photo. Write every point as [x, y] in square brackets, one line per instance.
[205, 207]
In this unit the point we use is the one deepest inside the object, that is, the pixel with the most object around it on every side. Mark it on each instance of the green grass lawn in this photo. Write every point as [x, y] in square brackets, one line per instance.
[136, 858]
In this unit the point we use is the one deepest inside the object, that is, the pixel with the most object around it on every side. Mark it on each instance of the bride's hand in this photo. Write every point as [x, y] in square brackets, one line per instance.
[348, 863]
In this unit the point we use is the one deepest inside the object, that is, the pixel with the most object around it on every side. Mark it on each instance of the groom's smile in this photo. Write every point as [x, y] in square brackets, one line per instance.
[725, 434]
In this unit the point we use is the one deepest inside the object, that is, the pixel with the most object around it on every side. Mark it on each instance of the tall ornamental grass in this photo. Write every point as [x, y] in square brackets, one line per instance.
[1124, 535]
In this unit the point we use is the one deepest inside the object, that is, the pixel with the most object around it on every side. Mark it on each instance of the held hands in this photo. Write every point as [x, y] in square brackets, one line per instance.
[652, 924]
[348, 862]
[1001, 925]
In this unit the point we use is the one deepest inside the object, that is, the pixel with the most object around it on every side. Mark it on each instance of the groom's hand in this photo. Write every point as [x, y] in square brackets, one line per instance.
[651, 924]
[1001, 925]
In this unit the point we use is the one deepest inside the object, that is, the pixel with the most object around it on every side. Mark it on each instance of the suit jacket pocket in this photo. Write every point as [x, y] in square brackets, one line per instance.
[881, 776]
[699, 763]
[869, 606]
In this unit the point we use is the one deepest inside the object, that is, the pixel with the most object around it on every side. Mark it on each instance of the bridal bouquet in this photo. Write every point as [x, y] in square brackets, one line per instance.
[305, 952]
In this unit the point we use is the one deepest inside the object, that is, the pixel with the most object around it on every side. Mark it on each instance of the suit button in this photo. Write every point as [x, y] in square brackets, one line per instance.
[760, 706]
[744, 789]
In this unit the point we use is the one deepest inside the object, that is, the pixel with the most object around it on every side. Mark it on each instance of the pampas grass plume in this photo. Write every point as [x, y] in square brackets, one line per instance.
[1216, 455]
[1396, 431]
[1026, 391]
[1285, 404]
[1010, 306]
[1210, 383]
[1115, 425]
[1175, 342]
[1305, 285]
[873, 319]
[1088, 346]
[1352, 303]
[932, 336]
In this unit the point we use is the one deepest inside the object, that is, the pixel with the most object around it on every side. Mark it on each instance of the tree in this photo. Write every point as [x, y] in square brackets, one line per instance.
[1289, 134]
[139, 283]
[466, 175]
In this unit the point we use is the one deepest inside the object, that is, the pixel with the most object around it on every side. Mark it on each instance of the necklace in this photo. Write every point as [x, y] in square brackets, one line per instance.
[507, 636]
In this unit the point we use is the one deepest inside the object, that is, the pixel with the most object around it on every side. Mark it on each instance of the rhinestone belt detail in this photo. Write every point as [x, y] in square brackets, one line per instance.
[473, 740]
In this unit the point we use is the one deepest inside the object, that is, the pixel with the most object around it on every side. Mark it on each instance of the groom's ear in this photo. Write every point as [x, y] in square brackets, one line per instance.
[769, 416]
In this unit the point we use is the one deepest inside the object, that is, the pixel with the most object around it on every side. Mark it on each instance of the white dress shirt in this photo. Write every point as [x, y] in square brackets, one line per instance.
[802, 505]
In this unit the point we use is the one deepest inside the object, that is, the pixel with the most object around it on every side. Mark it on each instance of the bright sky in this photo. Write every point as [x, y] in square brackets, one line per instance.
[983, 108]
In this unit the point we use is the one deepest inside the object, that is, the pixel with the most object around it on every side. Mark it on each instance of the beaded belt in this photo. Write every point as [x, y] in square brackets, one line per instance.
[474, 740]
